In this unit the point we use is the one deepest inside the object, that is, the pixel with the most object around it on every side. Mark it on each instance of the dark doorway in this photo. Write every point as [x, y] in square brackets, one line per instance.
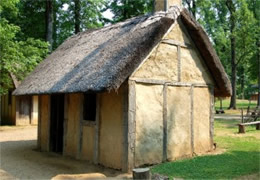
[56, 125]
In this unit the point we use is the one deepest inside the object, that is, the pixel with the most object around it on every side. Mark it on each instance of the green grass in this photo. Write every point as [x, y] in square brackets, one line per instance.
[241, 103]
[241, 158]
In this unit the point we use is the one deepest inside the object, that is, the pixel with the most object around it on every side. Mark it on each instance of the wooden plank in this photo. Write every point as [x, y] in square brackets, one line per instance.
[179, 62]
[162, 82]
[80, 128]
[192, 119]
[250, 123]
[125, 128]
[211, 116]
[39, 124]
[65, 122]
[49, 123]
[17, 108]
[97, 130]
[131, 124]
[165, 132]
[176, 43]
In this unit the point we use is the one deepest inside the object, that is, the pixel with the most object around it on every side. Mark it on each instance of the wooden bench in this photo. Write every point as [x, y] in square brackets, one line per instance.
[251, 115]
[241, 126]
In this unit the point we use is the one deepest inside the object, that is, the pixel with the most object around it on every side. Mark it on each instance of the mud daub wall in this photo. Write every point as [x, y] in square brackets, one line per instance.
[173, 101]
[99, 141]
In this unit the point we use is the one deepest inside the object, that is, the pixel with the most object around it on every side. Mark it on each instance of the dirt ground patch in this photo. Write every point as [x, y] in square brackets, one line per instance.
[19, 159]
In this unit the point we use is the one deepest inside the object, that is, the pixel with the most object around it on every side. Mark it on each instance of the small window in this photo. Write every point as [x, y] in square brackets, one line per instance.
[89, 107]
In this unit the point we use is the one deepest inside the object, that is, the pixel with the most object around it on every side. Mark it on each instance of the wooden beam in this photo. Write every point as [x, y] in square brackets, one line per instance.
[192, 119]
[125, 128]
[65, 122]
[131, 125]
[39, 124]
[97, 130]
[80, 128]
[211, 118]
[165, 123]
[49, 123]
[179, 62]
[17, 114]
[176, 43]
[162, 82]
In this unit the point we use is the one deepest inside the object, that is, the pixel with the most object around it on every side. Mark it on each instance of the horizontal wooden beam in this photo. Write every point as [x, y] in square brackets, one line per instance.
[162, 82]
[176, 43]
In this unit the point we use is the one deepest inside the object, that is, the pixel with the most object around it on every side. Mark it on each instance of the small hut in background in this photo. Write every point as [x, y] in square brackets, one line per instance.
[22, 110]
[134, 93]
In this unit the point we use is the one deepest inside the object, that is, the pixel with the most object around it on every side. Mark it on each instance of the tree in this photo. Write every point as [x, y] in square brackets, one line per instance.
[125, 9]
[49, 23]
[18, 57]
[191, 6]
[77, 15]
[232, 30]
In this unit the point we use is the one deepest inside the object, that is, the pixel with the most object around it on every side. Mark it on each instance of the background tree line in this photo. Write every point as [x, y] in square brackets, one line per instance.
[30, 29]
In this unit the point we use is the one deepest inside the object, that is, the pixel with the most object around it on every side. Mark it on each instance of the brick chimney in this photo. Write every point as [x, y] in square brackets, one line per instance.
[163, 5]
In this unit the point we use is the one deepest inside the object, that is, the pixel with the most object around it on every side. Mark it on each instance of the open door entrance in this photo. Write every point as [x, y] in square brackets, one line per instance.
[56, 124]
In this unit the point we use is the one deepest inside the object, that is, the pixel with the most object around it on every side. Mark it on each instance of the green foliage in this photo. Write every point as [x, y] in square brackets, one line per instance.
[214, 16]
[17, 57]
[90, 17]
[241, 157]
[125, 9]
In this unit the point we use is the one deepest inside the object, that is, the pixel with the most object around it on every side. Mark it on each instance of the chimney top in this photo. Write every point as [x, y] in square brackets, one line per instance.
[163, 5]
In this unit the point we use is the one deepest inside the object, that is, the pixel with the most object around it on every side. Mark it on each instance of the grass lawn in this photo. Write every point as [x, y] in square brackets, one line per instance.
[241, 104]
[240, 157]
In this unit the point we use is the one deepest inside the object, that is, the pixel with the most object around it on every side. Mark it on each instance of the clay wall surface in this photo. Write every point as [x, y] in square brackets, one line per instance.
[149, 124]
[178, 122]
[111, 129]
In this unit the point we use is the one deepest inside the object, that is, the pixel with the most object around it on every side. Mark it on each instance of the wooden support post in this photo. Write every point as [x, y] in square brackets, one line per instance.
[192, 120]
[97, 130]
[241, 128]
[165, 123]
[125, 128]
[211, 118]
[49, 124]
[80, 128]
[131, 124]
[179, 62]
[142, 173]
[65, 122]
[39, 124]
[242, 114]
[257, 126]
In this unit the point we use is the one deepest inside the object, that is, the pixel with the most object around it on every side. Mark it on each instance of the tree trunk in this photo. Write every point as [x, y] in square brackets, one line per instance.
[55, 25]
[49, 23]
[77, 16]
[231, 8]
[258, 58]
[194, 8]
[243, 83]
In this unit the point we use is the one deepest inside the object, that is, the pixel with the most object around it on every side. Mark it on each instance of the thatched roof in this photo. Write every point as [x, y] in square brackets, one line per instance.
[102, 59]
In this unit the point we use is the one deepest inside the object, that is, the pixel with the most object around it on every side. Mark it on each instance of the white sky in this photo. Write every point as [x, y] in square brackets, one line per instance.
[107, 14]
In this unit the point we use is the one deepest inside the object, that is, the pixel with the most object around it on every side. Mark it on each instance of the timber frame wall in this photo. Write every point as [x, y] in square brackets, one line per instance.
[131, 118]
[132, 112]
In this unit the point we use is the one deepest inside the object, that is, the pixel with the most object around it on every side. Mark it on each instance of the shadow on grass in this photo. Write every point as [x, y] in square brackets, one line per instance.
[223, 166]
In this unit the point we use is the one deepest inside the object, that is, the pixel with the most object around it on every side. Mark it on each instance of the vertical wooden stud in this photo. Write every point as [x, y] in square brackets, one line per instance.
[179, 62]
[165, 123]
[131, 125]
[125, 129]
[192, 119]
[97, 129]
